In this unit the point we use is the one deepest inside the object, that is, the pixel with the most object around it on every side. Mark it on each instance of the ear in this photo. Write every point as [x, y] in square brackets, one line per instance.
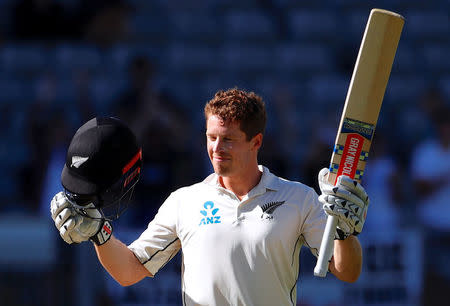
[257, 141]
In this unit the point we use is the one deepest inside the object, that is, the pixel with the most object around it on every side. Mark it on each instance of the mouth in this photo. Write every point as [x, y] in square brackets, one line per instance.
[220, 158]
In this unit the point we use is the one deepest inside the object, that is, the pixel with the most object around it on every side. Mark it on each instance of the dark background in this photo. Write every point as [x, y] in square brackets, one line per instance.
[154, 64]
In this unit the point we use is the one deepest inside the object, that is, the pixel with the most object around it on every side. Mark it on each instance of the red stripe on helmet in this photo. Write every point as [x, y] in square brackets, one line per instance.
[131, 163]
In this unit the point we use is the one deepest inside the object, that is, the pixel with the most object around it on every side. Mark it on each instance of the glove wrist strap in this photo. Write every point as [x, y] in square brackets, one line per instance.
[340, 234]
[103, 234]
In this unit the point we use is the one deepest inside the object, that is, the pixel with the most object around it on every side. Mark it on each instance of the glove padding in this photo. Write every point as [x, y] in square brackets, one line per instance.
[347, 200]
[78, 224]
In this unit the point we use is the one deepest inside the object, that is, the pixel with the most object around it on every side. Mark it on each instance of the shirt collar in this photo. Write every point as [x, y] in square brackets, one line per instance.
[268, 182]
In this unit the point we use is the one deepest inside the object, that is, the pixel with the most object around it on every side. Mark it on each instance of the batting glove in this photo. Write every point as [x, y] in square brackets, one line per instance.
[79, 223]
[347, 200]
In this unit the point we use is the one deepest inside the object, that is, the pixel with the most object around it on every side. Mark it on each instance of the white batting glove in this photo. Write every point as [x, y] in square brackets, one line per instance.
[77, 224]
[347, 200]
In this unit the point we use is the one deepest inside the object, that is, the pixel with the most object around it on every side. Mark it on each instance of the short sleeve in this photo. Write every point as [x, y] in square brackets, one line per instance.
[314, 223]
[159, 242]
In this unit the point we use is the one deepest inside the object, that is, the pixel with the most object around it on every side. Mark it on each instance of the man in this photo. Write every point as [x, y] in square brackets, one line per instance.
[241, 229]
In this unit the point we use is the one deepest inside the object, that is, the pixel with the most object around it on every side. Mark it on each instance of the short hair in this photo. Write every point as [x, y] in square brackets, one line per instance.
[237, 105]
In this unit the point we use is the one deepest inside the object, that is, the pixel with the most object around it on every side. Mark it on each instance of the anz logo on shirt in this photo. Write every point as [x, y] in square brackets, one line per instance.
[209, 214]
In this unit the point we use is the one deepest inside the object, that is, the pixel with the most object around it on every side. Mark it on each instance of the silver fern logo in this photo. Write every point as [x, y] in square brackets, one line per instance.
[77, 161]
[269, 208]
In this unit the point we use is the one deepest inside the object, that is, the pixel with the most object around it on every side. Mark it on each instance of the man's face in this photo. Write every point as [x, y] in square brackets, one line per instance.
[228, 149]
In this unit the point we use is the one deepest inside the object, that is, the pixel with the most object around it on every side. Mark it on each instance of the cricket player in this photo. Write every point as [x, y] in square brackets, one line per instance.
[240, 230]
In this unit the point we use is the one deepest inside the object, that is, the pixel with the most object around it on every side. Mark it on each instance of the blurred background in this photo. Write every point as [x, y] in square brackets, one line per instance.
[154, 64]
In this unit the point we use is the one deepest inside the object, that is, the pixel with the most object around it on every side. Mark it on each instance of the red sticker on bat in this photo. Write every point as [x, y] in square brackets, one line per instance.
[350, 155]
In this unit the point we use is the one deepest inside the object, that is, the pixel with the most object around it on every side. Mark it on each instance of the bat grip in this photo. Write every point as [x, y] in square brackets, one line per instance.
[326, 247]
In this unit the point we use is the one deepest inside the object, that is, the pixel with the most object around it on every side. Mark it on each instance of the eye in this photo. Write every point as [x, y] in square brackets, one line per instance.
[211, 137]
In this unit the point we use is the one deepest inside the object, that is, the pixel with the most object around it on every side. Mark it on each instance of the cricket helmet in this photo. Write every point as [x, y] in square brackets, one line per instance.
[103, 164]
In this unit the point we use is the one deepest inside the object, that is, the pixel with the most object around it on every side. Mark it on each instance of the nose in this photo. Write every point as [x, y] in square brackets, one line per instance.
[217, 145]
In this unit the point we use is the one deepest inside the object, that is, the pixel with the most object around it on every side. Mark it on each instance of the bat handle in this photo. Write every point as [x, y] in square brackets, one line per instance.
[326, 247]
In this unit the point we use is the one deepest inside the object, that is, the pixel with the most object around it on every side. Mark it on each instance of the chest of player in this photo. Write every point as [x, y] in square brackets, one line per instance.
[263, 222]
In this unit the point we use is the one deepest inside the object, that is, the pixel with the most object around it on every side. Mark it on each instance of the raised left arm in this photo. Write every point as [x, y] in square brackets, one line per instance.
[346, 262]
[348, 202]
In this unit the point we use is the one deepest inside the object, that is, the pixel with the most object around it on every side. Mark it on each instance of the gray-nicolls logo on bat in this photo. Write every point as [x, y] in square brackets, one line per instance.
[269, 208]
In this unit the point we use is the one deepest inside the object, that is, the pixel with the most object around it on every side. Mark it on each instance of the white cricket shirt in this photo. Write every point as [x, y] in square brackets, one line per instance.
[235, 252]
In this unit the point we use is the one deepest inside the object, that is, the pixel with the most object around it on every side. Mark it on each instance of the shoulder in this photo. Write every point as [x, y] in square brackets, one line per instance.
[301, 197]
[286, 184]
[295, 190]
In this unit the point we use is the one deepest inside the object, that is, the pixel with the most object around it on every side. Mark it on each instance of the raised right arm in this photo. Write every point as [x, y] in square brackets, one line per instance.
[78, 225]
[120, 262]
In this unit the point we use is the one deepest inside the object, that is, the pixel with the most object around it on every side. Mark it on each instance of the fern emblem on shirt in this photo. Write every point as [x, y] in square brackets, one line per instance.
[269, 208]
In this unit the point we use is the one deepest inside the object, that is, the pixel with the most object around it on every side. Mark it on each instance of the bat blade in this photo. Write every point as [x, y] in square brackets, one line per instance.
[361, 109]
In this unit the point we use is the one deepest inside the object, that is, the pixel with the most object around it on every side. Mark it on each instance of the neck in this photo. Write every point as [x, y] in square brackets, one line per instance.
[241, 184]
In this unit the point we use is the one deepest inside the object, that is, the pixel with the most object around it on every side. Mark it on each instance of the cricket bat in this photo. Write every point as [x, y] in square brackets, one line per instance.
[361, 110]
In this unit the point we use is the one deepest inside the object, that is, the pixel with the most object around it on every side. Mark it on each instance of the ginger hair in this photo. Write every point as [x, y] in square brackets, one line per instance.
[235, 105]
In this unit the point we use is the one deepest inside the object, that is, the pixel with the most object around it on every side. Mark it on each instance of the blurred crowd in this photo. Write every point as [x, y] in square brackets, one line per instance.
[158, 82]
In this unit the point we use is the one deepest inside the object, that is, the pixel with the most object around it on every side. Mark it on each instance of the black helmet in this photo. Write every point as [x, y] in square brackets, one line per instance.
[103, 163]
